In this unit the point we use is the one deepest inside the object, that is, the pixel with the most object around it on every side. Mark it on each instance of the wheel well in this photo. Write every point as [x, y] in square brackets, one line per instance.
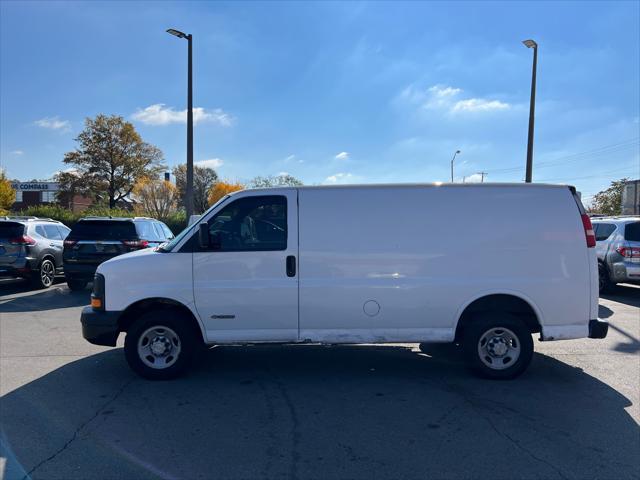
[499, 303]
[47, 256]
[133, 312]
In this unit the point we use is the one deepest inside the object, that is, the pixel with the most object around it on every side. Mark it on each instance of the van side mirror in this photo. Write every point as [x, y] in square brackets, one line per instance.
[203, 235]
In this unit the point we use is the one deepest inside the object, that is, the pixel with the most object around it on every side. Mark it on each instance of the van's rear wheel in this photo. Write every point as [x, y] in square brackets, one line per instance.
[497, 346]
[160, 345]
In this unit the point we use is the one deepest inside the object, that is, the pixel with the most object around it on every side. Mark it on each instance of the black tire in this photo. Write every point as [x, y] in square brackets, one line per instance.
[45, 276]
[491, 324]
[605, 285]
[76, 285]
[164, 320]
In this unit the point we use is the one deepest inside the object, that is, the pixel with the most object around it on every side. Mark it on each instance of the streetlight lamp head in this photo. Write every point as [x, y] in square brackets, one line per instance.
[176, 33]
[457, 151]
[530, 44]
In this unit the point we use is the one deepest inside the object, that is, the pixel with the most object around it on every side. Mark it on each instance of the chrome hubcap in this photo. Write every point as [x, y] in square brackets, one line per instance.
[47, 273]
[499, 348]
[159, 347]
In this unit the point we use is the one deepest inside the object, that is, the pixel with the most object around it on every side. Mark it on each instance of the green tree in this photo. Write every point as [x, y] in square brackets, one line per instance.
[282, 180]
[609, 201]
[7, 194]
[203, 180]
[110, 159]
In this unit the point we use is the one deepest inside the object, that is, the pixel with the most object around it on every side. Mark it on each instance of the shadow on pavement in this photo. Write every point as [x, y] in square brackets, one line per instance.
[318, 412]
[627, 294]
[22, 298]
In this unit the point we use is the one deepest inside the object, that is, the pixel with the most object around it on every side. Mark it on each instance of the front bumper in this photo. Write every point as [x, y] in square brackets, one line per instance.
[598, 328]
[99, 327]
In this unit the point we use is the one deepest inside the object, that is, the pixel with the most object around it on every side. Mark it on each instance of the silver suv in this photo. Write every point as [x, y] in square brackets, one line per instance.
[31, 248]
[618, 250]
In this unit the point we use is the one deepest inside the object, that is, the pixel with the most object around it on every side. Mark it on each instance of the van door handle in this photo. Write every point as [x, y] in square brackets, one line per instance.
[291, 266]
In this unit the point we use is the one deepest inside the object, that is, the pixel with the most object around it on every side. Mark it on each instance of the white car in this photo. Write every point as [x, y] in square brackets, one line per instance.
[483, 265]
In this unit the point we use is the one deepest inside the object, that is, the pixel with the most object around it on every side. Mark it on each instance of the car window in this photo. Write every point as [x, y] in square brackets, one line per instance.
[251, 224]
[146, 231]
[167, 231]
[11, 229]
[64, 231]
[103, 230]
[40, 231]
[632, 232]
[159, 232]
[52, 232]
[604, 231]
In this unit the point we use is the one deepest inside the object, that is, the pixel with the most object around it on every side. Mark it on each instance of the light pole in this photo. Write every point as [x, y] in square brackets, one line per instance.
[532, 108]
[454, 157]
[188, 201]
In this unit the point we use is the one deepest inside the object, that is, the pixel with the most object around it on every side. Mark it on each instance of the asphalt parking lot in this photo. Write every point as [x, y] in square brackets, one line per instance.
[71, 410]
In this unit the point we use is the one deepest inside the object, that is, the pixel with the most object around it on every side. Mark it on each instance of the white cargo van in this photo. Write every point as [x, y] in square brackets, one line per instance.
[483, 265]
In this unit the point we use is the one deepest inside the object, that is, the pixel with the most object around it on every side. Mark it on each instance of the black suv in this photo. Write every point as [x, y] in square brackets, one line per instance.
[94, 240]
[31, 248]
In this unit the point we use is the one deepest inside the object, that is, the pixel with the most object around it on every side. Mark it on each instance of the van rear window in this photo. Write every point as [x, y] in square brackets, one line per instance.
[11, 229]
[632, 232]
[103, 230]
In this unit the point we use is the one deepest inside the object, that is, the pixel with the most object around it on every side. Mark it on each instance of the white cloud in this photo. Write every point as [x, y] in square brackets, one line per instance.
[282, 174]
[447, 99]
[159, 114]
[479, 105]
[17, 152]
[210, 163]
[53, 123]
[342, 156]
[475, 178]
[293, 158]
[338, 178]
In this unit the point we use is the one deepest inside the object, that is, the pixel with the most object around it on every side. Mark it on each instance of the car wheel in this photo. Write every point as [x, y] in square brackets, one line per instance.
[497, 346]
[76, 284]
[45, 275]
[160, 345]
[604, 281]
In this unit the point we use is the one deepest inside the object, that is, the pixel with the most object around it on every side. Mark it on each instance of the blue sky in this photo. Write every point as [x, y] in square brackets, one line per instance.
[331, 92]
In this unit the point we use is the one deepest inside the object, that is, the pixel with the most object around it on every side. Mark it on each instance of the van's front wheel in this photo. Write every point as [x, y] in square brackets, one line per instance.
[498, 346]
[159, 345]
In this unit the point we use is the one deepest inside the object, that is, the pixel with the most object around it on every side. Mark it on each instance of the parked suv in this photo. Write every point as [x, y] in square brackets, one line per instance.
[31, 248]
[94, 240]
[618, 250]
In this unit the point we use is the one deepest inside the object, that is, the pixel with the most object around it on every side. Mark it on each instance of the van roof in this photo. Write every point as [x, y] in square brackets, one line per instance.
[418, 185]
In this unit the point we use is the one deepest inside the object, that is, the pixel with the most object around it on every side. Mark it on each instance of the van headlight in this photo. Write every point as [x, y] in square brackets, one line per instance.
[97, 293]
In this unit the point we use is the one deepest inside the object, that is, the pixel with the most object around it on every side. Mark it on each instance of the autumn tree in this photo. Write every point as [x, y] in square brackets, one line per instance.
[110, 159]
[220, 189]
[203, 180]
[157, 197]
[282, 180]
[609, 201]
[7, 194]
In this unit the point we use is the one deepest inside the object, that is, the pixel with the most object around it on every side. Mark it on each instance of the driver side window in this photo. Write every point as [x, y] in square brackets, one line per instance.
[250, 224]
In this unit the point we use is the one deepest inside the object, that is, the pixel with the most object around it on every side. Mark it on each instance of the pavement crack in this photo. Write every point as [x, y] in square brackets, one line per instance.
[77, 431]
[295, 430]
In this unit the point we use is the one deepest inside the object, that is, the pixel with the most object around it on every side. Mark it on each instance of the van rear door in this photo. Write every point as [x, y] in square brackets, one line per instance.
[245, 283]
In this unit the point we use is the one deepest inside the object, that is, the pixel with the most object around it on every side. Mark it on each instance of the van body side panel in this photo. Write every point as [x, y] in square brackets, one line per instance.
[390, 264]
[145, 274]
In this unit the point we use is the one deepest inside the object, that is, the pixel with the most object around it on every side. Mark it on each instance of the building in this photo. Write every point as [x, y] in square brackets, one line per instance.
[631, 198]
[37, 192]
